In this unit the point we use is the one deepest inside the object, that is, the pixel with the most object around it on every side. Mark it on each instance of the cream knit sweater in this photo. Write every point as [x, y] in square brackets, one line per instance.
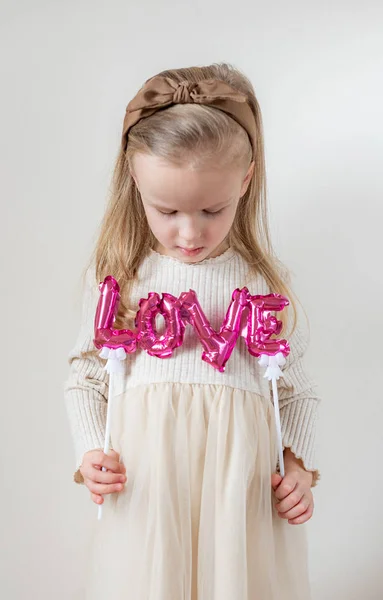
[86, 390]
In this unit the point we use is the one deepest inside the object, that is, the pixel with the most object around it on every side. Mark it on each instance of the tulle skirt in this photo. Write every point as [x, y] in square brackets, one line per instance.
[196, 520]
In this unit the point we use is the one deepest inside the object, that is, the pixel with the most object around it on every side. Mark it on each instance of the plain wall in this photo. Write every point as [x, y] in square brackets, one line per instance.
[68, 69]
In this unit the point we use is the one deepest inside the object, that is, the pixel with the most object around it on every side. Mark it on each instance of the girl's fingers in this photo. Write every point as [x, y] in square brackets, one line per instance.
[297, 510]
[98, 476]
[275, 480]
[110, 463]
[97, 499]
[104, 488]
[97, 460]
[304, 517]
[286, 487]
[290, 501]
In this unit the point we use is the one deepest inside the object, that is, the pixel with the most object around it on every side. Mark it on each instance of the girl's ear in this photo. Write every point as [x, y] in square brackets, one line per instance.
[247, 179]
[135, 180]
[132, 173]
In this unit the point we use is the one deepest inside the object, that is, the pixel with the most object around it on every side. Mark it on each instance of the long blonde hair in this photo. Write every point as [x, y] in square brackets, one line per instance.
[196, 134]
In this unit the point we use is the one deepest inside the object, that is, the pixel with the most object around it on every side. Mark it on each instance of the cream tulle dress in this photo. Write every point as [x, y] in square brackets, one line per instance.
[196, 520]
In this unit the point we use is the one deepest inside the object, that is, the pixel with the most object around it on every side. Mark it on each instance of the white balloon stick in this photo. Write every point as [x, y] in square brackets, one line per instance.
[278, 426]
[108, 424]
[273, 372]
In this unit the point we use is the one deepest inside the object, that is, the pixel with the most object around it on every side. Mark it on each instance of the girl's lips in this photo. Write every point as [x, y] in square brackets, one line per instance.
[193, 252]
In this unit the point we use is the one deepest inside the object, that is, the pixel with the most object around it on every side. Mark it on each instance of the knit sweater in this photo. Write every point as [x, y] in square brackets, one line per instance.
[213, 280]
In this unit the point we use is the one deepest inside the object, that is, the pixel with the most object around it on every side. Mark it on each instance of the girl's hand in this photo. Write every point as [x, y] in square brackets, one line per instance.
[99, 482]
[295, 500]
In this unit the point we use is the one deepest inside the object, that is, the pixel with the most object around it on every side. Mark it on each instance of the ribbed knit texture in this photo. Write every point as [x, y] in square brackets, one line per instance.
[213, 280]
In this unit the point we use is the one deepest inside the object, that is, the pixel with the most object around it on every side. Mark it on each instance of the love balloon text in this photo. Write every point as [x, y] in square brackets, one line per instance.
[259, 332]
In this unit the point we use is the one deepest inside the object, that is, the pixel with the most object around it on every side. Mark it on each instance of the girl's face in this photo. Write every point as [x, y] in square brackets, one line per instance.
[190, 212]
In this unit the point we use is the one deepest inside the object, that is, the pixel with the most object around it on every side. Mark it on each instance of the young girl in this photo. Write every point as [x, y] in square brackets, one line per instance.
[193, 506]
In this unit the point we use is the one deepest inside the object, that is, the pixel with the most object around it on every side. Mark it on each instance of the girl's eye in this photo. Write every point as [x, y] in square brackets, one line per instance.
[212, 214]
[168, 214]
[206, 212]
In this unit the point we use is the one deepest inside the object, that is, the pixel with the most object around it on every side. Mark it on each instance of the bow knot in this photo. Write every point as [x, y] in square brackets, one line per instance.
[182, 93]
[160, 92]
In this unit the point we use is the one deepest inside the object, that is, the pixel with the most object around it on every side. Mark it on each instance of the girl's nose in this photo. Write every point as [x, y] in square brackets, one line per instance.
[190, 231]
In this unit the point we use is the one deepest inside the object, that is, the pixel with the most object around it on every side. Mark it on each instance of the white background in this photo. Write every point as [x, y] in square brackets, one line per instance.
[68, 69]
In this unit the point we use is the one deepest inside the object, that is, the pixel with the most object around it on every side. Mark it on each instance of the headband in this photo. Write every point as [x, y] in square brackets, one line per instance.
[161, 92]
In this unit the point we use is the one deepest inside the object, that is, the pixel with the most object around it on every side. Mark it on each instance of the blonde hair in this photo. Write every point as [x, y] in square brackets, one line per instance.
[196, 134]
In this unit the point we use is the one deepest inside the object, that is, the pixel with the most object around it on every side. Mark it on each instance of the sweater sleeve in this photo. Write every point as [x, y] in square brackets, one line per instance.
[86, 388]
[298, 404]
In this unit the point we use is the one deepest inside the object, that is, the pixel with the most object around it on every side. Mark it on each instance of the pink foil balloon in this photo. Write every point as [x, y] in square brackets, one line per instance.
[149, 340]
[218, 346]
[261, 325]
[107, 307]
